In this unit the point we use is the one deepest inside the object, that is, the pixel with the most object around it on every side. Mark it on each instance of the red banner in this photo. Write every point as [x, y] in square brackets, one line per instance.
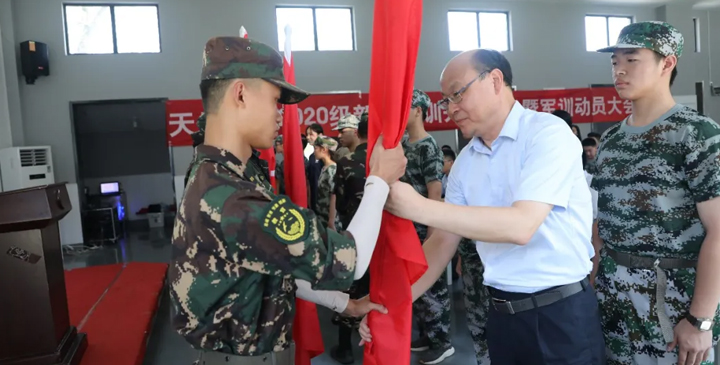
[586, 106]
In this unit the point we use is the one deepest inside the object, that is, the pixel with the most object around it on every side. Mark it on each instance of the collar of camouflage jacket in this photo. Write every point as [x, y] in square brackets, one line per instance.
[223, 157]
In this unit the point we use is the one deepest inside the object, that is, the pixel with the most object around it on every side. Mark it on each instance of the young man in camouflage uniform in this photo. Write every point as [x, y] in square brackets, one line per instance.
[424, 173]
[658, 181]
[349, 189]
[241, 253]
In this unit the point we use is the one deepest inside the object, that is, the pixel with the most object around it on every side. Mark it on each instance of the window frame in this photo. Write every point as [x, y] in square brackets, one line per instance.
[315, 28]
[112, 7]
[477, 18]
[607, 25]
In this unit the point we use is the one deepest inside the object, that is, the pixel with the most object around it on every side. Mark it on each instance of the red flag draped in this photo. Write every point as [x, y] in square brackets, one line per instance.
[306, 329]
[398, 260]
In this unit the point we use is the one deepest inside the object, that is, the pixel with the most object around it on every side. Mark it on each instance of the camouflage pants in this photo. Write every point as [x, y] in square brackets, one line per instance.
[432, 311]
[477, 299]
[629, 318]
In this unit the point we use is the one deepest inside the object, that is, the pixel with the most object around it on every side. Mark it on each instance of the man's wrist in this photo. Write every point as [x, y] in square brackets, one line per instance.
[703, 324]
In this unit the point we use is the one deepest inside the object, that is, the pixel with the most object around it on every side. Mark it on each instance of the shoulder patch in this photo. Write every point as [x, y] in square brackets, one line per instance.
[285, 221]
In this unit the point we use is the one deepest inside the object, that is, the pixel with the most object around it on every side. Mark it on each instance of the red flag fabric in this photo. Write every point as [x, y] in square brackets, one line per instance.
[306, 328]
[398, 261]
[269, 156]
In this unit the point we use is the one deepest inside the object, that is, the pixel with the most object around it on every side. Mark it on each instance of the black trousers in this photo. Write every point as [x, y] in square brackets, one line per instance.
[565, 332]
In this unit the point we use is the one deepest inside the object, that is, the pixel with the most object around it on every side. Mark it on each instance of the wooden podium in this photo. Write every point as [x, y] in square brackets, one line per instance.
[34, 322]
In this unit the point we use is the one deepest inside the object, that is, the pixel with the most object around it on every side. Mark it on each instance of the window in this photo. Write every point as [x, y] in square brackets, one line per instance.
[316, 28]
[472, 29]
[602, 31]
[107, 29]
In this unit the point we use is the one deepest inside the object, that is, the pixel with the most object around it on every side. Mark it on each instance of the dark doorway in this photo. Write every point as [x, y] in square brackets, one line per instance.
[123, 164]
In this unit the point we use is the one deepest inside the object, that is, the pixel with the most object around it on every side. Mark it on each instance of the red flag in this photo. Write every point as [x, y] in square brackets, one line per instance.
[267, 154]
[398, 261]
[306, 329]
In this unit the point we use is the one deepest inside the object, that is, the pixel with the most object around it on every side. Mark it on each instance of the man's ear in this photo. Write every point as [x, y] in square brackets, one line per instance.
[669, 63]
[238, 92]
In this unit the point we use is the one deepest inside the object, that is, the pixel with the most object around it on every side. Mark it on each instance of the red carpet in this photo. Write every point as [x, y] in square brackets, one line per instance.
[117, 305]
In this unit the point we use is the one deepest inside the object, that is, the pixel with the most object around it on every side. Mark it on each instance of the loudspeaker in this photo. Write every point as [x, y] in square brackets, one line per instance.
[35, 60]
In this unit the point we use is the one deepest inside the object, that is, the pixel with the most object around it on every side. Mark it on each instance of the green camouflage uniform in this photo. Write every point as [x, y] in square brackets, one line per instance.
[425, 162]
[349, 190]
[237, 247]
[326, 184]
[477, 298]
[649, 180]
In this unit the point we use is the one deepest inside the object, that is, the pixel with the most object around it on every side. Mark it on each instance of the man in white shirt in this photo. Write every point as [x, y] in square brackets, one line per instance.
[519, 191]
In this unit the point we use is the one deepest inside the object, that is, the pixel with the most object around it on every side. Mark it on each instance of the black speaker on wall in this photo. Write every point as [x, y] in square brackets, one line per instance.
[35, 60]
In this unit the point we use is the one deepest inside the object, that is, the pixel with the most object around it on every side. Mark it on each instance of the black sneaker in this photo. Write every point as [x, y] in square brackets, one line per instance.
[343, 356]
[421, 344]
[436, 356]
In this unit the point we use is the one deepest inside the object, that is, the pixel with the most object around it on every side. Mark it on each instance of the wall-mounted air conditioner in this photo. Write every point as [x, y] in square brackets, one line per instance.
[26, 167]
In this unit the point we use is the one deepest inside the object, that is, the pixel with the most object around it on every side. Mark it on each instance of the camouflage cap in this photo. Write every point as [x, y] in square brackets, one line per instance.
[236, 57]
[327, 142]
[347, 121]
[420, 99]
[279, 140]
[657, 36]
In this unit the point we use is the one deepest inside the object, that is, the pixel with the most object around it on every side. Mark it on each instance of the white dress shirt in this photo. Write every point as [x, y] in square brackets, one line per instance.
[535, 158]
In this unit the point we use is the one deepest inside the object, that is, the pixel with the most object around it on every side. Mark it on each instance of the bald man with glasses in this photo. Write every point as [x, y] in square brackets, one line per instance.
[518, 191]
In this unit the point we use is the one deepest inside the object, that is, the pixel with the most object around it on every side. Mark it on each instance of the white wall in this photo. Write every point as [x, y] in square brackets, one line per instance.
[10, 67]
[548, 51]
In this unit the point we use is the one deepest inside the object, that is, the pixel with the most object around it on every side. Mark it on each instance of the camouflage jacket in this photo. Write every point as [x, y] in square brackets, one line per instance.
[350, 184]
[425, 162]
[237, 248]
[649, 180]
[326, 185]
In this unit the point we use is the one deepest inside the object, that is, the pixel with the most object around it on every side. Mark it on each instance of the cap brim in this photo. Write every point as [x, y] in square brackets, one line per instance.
[618, 46]
[290, 93]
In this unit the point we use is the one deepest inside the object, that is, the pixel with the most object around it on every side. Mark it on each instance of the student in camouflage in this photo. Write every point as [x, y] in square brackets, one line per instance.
[424, 173]
[349, 190]
[658, 179]
[325, 147]
[476, 297]
[241, 253]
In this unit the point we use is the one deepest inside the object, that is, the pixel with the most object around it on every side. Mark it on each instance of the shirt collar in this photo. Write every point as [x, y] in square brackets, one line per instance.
[510, 128]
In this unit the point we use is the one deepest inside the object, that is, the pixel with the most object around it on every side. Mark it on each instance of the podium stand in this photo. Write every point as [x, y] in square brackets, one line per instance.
[34, 322]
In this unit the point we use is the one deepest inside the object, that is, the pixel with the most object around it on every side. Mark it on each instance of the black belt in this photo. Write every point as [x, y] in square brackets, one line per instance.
[539, 300]
[641, 262]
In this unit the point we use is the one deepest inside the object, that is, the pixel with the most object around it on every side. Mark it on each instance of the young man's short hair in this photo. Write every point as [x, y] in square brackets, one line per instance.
[449, 153]
[595, 135]
[589, 142]
[362, 130]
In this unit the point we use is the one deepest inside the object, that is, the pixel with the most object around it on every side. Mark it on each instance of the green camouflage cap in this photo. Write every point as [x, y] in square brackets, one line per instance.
[657, 36]
[327, 142]
[420, 99]
[279, 140]
[347, 121]
[236, 57]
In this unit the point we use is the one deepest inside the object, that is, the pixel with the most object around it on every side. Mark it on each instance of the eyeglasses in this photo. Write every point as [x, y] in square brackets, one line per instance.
[456, 97]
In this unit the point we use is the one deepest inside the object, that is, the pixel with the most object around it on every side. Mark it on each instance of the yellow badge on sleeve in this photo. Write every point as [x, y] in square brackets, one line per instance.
[285, 221]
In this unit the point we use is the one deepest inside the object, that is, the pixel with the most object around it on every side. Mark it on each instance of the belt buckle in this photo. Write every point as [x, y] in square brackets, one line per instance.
[505, 303]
